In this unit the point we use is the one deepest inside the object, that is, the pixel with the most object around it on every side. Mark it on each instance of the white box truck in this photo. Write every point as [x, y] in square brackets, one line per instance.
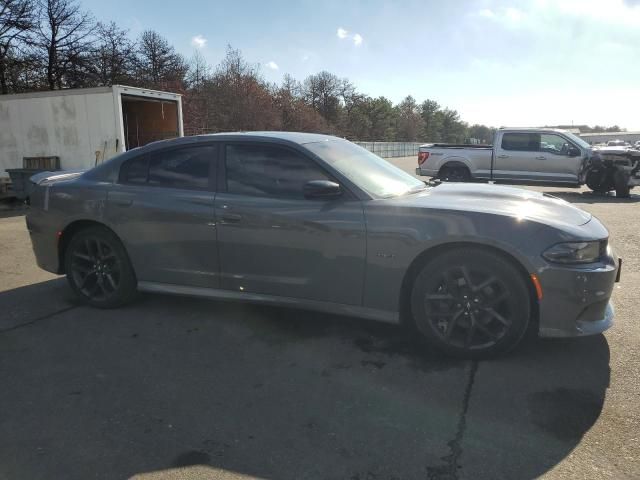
[82, 127]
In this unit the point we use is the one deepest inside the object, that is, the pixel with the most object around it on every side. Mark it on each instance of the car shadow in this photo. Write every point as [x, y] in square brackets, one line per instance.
[593, 197]
[173, 387]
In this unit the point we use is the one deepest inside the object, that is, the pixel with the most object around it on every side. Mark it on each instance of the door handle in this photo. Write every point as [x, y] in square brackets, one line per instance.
[231, 218]
[503, 156]
[541, 158]
[122, 203]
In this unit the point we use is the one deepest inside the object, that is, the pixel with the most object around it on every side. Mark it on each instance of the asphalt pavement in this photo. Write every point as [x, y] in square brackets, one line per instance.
[183, 388]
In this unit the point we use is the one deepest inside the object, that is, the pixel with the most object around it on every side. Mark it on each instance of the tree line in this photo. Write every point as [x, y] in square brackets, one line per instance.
[54, 44]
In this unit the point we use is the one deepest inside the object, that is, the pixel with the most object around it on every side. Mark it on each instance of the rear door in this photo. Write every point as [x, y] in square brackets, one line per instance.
[272, 240]
[162, 209]
[518, 157]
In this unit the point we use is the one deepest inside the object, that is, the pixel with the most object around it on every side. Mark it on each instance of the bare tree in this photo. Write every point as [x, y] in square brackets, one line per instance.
[158, 64]
[199, 71]
[16, 22]
[64, 40]
[113, 55]
[321, 92]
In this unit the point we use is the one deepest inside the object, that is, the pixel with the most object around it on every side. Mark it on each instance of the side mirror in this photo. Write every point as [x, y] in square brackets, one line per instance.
[573, 152]
[321, 189]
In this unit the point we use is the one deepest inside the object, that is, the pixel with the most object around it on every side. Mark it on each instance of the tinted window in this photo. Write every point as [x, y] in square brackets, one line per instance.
[134, 170]
[269, 171]
[523, 142]
[181, 168]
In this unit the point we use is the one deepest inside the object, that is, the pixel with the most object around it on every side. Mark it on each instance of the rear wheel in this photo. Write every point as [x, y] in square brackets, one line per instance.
[454, 174]
[98, 268]
[471, 303]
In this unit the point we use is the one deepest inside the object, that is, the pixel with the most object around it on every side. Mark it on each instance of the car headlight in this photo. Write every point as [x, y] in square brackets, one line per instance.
[574, 252]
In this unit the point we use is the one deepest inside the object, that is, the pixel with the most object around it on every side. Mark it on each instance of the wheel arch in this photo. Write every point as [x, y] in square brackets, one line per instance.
[455, 162]
[425, 256]
[69, 231]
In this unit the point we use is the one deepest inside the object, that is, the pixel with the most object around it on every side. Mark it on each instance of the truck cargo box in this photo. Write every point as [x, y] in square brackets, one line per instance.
[84, 126]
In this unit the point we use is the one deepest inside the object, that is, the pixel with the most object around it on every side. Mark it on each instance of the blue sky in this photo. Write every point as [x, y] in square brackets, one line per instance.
[516, 63]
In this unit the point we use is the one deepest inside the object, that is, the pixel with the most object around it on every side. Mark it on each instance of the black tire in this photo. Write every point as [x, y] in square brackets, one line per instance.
[471, 303]
[98, 268]
[621, 182]
[454, 174]
[596, 182]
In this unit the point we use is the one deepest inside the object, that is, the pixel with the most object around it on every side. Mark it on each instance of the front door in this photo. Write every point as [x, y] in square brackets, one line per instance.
[560, 165]
[272, 240]
[536, 158]
[162, 209]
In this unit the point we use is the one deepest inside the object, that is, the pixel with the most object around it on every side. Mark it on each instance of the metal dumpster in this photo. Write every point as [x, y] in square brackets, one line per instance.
[20, 181]
[21, 185]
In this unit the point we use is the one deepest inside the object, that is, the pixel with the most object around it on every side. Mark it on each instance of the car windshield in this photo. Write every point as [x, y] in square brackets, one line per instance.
[576, 139]
[368, 171]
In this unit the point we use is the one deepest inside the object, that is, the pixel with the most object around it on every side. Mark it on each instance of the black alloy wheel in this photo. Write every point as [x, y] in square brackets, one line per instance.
[471, 303]
[98, 268]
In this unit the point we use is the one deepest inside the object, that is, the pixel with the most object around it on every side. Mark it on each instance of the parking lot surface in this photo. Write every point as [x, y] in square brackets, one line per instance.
[183, 388]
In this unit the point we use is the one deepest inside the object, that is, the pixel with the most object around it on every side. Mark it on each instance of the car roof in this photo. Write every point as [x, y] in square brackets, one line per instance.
[299, 138]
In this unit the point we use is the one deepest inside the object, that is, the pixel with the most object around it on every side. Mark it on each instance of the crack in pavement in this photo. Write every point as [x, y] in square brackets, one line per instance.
[38, 319]
[449, 471]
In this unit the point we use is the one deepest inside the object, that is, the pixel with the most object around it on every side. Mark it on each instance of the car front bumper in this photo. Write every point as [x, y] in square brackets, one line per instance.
[577, 300]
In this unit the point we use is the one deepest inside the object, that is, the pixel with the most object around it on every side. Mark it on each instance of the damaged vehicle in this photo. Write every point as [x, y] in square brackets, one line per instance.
[316, 222]
[542, 156]
[614, 168]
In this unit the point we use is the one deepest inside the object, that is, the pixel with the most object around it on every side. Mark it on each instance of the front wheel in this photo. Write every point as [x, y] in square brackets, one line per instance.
[621, 181]
[98, 268]
[471, 303]
[597, 181]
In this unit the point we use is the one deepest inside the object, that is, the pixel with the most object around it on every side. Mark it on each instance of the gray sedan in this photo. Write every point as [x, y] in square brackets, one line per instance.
[316, 222]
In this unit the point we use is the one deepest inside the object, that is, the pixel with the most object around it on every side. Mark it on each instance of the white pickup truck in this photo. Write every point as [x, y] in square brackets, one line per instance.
[533, 155]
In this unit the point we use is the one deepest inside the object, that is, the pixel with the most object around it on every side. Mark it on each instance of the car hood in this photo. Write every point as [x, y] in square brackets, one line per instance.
[514, 202]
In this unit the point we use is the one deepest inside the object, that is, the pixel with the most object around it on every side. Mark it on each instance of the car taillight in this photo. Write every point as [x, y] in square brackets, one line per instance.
[422, 157]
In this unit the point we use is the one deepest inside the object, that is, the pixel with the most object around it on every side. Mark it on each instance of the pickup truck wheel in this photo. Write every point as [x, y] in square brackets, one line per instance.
[621, 181]
[471, 303]
[596, 182]
[98, 268]
[454, 174]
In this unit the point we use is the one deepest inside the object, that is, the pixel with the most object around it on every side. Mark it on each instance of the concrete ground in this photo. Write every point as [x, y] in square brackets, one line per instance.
[180, 388]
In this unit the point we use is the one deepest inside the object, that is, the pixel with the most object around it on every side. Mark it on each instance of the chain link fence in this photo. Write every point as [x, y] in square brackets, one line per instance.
[392, 149]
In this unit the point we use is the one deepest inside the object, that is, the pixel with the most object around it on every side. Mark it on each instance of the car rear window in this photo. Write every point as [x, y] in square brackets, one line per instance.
[134, 170]
[183, 168]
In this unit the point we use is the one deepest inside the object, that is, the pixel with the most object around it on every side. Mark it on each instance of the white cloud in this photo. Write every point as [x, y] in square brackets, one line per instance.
[305, 57]
[513, 14]
[344, 34]
[272, 65]
[199, 41]
[486, 13]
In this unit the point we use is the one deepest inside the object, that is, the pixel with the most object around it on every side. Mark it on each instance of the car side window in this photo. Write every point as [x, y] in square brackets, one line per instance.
[269, 171]
[135, 170]
[186, 168]
[521, 142]
[554, 144]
